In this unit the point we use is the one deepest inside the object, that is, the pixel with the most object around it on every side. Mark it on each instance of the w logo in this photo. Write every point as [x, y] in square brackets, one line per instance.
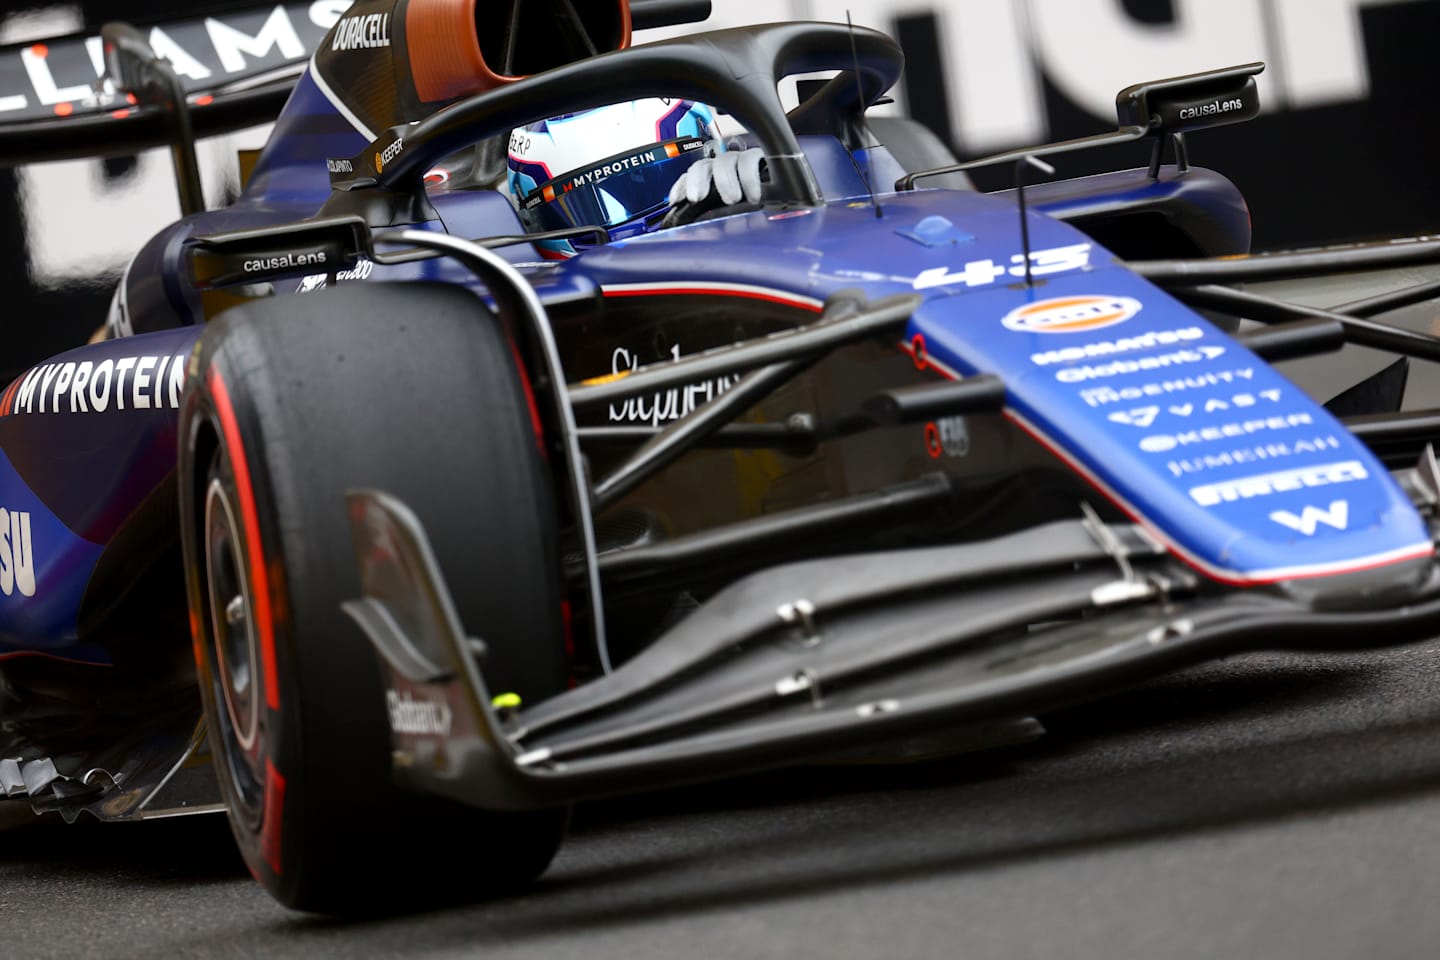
[1311, 517]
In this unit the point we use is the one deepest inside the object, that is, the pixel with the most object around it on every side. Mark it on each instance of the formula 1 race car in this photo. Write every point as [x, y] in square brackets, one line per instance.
[406, 537]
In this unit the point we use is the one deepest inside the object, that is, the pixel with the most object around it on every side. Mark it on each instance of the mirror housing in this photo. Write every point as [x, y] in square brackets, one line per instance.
[1191, 102]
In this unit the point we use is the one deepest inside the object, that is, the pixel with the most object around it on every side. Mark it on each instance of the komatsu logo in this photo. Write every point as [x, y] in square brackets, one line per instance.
[362, 33]
[1106, 348]
[17, 556]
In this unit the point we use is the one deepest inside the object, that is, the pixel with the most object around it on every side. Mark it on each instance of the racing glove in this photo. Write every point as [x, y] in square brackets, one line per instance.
[733, 175]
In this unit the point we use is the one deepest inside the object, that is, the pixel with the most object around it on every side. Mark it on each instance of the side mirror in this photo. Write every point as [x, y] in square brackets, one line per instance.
[1192, 102]
[273, 253]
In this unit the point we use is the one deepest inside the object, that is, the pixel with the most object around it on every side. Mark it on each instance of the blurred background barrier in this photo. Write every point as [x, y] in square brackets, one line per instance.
[1342, 150]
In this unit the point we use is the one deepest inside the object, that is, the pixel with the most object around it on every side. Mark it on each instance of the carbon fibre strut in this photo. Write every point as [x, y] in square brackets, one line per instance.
[847, 318]
[517, 301]
[135, 69]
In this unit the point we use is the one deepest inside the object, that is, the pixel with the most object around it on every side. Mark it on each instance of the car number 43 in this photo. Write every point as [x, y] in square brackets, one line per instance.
[978, 273]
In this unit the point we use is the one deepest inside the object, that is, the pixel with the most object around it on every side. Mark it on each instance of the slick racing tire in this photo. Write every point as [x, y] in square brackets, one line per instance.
[291, 401]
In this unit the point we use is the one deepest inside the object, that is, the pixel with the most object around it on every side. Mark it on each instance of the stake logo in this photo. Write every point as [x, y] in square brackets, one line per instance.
[1071, 314]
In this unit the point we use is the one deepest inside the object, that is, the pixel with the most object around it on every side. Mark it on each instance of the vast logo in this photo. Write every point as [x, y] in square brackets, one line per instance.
[1309, 520]
[1071, 314]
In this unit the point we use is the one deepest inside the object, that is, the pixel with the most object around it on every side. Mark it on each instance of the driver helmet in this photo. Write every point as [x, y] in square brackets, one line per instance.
[608, 167]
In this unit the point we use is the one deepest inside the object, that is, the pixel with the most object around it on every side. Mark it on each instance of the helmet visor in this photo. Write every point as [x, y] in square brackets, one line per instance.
[612, 191]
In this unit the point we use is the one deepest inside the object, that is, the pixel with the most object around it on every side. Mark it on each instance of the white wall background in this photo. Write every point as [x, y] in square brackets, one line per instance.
[994, 53]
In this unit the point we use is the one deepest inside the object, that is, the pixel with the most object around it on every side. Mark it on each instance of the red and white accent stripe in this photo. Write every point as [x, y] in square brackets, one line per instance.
[923, 360]
[713, 289]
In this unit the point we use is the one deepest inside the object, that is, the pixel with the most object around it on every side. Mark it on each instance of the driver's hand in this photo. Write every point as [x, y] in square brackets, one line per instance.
[733, 175]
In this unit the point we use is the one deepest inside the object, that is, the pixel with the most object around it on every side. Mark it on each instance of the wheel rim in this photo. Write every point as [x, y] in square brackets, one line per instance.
[235, 679]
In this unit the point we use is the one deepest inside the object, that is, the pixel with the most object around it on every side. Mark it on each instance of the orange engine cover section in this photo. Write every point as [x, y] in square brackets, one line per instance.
[448, 59]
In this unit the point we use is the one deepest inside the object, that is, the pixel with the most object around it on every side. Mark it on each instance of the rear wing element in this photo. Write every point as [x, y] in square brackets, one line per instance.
[234, 70]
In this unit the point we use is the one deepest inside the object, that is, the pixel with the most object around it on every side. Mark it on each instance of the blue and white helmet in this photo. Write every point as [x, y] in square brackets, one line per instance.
[609, 167]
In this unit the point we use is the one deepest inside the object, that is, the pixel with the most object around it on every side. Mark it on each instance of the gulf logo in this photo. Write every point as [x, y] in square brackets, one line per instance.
[1071, 314]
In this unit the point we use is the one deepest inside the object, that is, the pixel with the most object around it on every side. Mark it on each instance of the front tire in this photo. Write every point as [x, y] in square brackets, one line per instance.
[409, 389]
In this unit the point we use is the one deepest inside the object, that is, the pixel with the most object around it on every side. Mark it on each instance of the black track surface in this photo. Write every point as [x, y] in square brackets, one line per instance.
[1267, 806]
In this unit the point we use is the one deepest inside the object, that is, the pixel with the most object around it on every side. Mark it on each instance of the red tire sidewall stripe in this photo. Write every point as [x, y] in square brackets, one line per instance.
[274, 805]
[259, 578]
[535, 422]
[260, 598]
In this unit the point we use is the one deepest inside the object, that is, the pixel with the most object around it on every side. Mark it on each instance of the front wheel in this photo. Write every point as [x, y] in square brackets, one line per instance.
[413, 390]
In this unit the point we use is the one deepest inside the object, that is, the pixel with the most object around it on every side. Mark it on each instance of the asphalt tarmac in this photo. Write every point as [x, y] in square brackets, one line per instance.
[1265, 806]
